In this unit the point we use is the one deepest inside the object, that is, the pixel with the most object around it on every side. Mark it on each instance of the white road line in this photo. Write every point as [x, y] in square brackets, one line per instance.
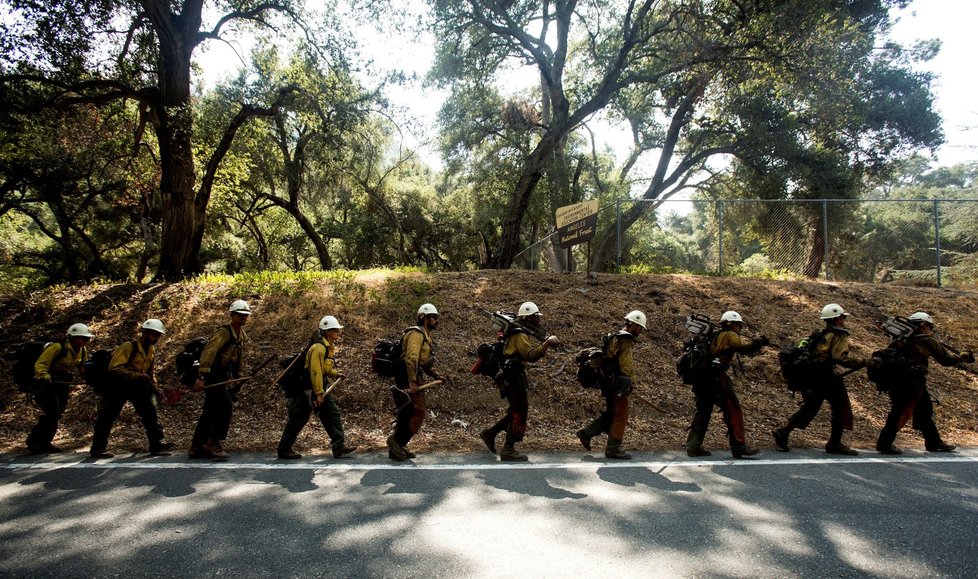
[348, 466]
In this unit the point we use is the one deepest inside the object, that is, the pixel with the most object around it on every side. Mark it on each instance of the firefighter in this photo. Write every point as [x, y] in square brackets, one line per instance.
[618, 371]
[416, 360]
[911, 398]
[517, 353]
[716, 389]
[220, 361]
[52, 379]
[130, 379]
[831, 349]
[321, 365]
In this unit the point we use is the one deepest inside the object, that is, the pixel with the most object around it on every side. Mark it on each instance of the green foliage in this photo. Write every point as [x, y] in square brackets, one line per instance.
[276, 283]
[759, 266]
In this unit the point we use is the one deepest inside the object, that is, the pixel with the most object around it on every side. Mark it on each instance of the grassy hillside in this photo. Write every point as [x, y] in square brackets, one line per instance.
[376, 305]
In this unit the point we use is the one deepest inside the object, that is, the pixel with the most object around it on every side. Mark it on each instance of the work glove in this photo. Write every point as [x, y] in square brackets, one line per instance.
[968, 356]
[763, 341]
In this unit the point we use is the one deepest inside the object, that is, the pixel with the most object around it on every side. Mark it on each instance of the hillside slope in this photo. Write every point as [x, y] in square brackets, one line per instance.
[575, 309]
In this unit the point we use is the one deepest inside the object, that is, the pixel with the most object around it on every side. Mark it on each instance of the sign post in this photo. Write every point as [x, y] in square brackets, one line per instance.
[576, 224]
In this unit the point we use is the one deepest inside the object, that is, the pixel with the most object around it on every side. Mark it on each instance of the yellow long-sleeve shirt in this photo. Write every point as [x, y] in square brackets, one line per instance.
[833, 348]
[520, 347]
[217, 354]
[727, 343]
[620, 348]
[53, 361]
[923, 346]
[319, 362]
[131, 365]
[416, 353]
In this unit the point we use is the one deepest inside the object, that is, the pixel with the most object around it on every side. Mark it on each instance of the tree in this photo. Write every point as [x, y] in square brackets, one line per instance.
[684, 75]
[74, 175]
[71, 52]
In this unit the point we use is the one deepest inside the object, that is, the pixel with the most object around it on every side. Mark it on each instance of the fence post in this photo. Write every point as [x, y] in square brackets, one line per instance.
[937, 238]
[825, 237]
[617, 235]
[720, 242]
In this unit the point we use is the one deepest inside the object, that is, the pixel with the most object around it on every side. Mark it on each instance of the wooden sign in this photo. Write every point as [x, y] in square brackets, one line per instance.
[576, 223]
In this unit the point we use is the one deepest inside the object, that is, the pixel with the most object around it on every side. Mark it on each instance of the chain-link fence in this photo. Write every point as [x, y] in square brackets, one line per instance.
[923, 242]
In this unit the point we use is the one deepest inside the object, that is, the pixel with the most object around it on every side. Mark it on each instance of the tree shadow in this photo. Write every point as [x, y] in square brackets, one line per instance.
[512, 481]
[634, 476]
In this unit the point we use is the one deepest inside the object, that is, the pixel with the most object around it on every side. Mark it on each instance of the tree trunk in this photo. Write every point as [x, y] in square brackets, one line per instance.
[509, 242]
[816, 253]
[182, 219]
[322, 250]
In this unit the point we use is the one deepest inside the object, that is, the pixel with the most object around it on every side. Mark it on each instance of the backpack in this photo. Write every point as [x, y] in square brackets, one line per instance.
[97, 368]
[590, 367]
[489, 356]
[385, 360]
[695, 363]
[188, 361]
[24, 359]
[295, 380]
[796, 361]
[895, 370]
[592, 372]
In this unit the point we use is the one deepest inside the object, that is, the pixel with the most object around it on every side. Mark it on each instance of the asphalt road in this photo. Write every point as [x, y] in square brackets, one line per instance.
[562, 515]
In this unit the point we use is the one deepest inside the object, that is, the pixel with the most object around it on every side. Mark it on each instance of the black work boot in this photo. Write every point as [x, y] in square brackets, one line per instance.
[742, 451]
[289, 454]
[839, 448]
[584, 438]
[613, 450]
[697, 451]
[940, 446]
[489, 438]
[161, 448]
[781, 438]
[343, 450]
[394, 449]
[889, 449]
[198, 452]
[216, 450]
[510, 454]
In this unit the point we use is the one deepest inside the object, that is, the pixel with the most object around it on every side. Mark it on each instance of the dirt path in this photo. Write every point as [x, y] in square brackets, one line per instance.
[579, 311]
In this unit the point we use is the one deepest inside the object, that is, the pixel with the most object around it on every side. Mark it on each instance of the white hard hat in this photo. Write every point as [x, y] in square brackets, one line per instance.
[80, 330]
[832, 311]
[636, 317]
[155, 325]
[240, 307]
[528, 309]
[427, 310]
[731, 316]
[919, 317]
[329, 323]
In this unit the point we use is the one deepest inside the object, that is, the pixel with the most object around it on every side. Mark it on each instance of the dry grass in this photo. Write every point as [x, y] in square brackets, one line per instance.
[577, 310]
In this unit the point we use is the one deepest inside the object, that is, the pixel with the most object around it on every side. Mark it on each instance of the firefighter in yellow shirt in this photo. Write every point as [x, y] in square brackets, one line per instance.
[911, 399]
[831, 349]
[618, 372]
[130, 379]
[52, 379]
[321, 365]
[417, 359]
[518, 352]
[220, 361]
[716, 389]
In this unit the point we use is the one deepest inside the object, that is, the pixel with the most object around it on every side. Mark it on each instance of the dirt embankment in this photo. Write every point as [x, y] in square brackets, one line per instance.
[579, 311]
